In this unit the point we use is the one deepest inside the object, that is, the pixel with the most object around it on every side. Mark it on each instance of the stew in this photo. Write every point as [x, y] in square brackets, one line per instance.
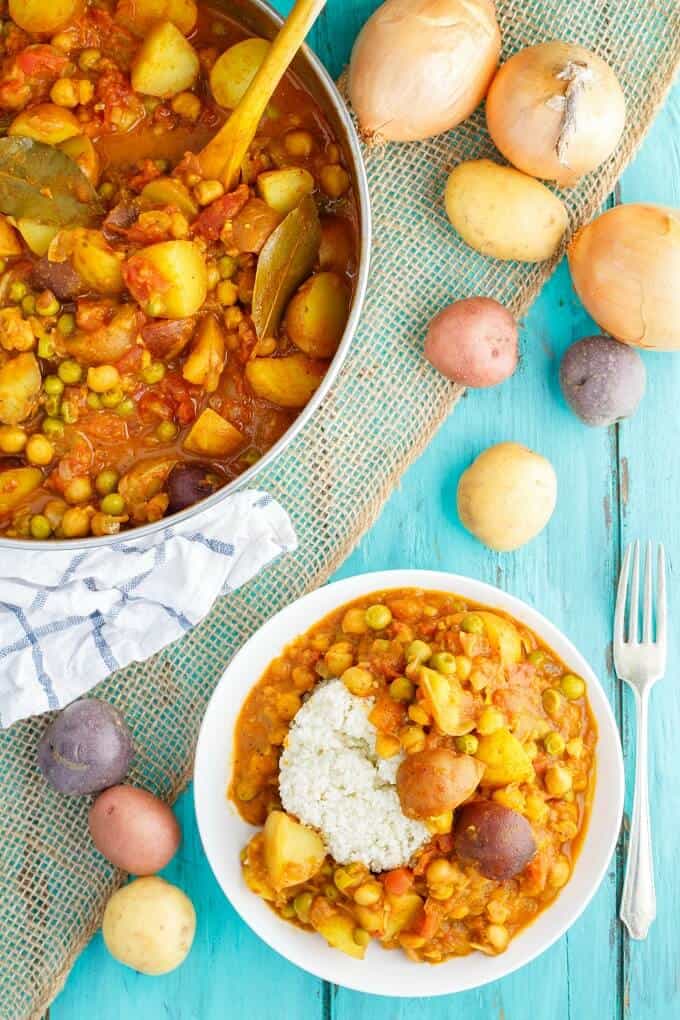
[157, 335]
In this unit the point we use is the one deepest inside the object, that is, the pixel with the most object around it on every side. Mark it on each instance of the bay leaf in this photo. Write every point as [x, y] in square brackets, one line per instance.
[40, 182]
[286, 260]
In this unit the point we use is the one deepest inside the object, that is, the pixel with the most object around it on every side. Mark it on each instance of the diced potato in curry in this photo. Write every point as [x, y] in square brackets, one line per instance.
[16, 485]
[292, 852]
[10, 244]
[46, 123]
[38, 236]
[400, 913]
[44, 17]
[98, 266]
[20, 382]
[234, 70]
[283, 190]
[451, 705]
[141, 15]
[288, 382]
[166, 64]
[505, 758]
[204, 365]
[317, 315]
[213, 436]
[503, 636]
[337, 927]
[170, 279]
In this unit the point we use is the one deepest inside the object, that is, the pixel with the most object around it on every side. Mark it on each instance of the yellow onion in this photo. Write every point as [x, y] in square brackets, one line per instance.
[626, 270]
[419, 67]
[556, 111]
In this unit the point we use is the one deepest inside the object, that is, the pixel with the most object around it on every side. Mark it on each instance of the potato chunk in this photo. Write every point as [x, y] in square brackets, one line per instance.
[38, 236]
[16, 484]
[283, 190]
[93, 259]
[213, 436]
[81, 150]
[204, 365]
[451, 706]
[46, 123]
[503, 637]
[233, 72]
[169, 191]
[505, 759]
[292, 852]
[166, 63]
[140, 15]
[170, 279]
[10, 244]
[317, 315]
[288, 382]
[336, 926]
[400, 913]
[20, 382]
[41, 18]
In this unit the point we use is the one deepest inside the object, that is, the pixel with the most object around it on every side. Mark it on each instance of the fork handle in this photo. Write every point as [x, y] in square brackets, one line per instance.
[638, 902]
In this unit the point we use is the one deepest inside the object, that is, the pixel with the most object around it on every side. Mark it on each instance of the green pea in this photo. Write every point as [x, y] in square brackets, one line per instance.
[47, 304]
[111, 398]
[443, 662]
[573, 687]
[401, 689]
[40, 527]
[70, 372]
[113, 504]
[472, 624]
[153, 373]
[166, 431]
[227, 267]
[17, 291]
[553, 702]
[331, 893]
[418, 652]
[538, 658]
[28, 305]
[288, 911]
[378, 617]
[106, 190]
[53, 428]
[69, 412]
[467, 744]
[554, 743]
[106, 481]
[46, 347]
[303, 904]
[94, 401]
[53, 386]
[126, 407]
[66, 324]
[53, 406]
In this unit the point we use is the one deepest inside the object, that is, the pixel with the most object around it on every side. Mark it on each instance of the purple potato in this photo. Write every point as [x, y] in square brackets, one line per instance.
[190, 483]
[499, 840]
[86, 748]
[602, 380]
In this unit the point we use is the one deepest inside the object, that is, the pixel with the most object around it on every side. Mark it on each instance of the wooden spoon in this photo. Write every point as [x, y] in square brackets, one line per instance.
[222, 157]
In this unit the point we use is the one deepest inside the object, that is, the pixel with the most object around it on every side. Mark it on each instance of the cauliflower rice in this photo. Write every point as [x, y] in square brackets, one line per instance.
[332, 779]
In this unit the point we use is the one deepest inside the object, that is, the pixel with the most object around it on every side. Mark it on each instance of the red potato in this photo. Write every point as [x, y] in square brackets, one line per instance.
[134, 830]
[437, 780]
[473, 342]
[498, 839]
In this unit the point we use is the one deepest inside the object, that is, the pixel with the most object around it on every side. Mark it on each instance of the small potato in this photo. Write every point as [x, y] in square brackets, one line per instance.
[86, 748]
[204, 365]
[233, 72]
[498, 839]
[166, 63]
[437, 780]
[149, 925]
[473, 342]
[505, 759]
[317, 315]
[16, 484]
[283, 190]
[40, 18]
[95, 261]
[503, 213]
[141, 15]
[170, 279]
[602, 380]
[20, 382]
[337, 251]
[46, 123]
[288, 382]
[134, 830]
[507, 496]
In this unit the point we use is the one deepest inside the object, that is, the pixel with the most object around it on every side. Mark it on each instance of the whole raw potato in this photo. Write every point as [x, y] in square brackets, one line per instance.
[149, 925]
[473, 342]
[134, 830]
[507, 496]
[86, 748]
[602, 380]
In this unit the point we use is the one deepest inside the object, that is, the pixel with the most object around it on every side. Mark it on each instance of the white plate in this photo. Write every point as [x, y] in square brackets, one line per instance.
[224, 834]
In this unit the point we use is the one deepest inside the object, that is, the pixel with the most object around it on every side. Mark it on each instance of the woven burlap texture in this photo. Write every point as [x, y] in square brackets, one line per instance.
[334, 479]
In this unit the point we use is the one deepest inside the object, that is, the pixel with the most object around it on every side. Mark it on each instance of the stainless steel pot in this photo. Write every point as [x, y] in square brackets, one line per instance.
[262, 20]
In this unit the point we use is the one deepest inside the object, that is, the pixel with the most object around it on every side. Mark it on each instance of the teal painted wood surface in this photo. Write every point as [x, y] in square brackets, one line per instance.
[614, 485]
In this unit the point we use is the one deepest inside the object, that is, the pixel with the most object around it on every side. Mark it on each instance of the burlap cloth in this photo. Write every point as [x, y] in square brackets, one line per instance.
[333, 479]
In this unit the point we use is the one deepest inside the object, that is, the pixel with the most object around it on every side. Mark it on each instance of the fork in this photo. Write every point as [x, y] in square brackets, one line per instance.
[640, 664]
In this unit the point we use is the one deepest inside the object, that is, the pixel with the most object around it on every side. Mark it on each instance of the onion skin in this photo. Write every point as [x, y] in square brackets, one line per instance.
[625, 267]
[420, 67]
[524, 119]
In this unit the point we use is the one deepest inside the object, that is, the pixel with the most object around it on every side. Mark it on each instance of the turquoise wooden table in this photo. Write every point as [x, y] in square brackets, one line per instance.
[615, 485]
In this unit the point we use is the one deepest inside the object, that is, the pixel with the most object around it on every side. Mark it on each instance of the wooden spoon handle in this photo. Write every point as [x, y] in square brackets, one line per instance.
[223, 156]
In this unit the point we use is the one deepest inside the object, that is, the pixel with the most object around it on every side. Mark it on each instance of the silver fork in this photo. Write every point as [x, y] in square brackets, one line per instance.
[640, 664]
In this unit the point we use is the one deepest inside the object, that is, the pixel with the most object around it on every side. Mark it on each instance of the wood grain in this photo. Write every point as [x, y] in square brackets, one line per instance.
[614, 485]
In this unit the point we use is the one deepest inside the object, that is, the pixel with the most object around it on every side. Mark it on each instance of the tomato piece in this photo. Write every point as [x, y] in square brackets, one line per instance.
[148, 171]
[212, 220]
[143, 279]
[39, 61]
[427, 923]
[399, 881]
[102, 427]
[387, 715]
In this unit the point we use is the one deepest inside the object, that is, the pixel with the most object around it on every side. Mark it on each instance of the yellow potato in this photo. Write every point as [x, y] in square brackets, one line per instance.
[20, 382]
[507, 496]
[9, 242]
[166, 63]
[283, 190]
[46, 123]
[204, 365]
[38, 236]
[505, 759]
[182, 278]
[16, 484]
[317, 315]
[401, 912]
[292, 852]
[81, 150]
[233, 72]
[288, 382]
[95, 262]
[503, 213]
[503, 636]
[213, 436]
[149, 925]
[169, 191]
[44, 18]
[140, 15]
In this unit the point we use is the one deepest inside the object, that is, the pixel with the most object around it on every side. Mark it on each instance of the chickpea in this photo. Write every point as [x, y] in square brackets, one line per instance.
[76, 522]
[536, 809]
[497, 912]
[412, 739]
[287, 704]
[39, 451]
[386, 746]
[368, 894]
[575, 748]
[208, 191]
[498, 936]
[12, 439]
[553, 702]
[357, 680]
[186, 105]
[463, 667]
[303, 678]
[354, 622]
[299, 144]
[54, 511]
[554, 743]
[401, 689]
[227, 293]
[378, 617]
[339, 658]
[64, 93]
[558, 780]
[78, 490]
[490, 720]
[573, 687]
[40, 527]
[440, 872]
[559, 872]
[511, 797]
[418, 652]
[103, 378]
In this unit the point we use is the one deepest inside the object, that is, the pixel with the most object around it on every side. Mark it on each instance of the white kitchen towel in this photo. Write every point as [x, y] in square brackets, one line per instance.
[69, 618]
